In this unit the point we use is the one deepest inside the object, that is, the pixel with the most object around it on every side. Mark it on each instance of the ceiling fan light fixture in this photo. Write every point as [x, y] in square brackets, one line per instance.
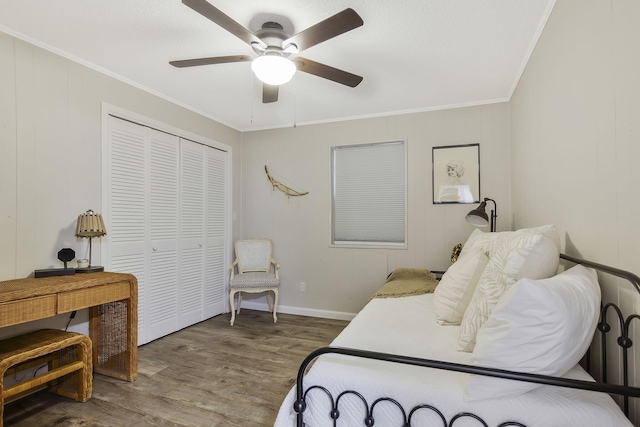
[273, 69]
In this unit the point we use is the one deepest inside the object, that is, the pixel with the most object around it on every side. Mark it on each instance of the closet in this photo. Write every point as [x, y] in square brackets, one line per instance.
[165, 202]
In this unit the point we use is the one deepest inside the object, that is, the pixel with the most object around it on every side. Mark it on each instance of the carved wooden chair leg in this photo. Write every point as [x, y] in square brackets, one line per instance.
[275, 305]
[231, 305]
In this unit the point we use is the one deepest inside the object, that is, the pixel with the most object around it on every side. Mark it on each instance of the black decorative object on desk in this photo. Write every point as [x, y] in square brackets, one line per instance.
[65, 255]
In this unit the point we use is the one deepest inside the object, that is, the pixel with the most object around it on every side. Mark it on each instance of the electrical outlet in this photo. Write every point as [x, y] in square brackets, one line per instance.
[303, 287]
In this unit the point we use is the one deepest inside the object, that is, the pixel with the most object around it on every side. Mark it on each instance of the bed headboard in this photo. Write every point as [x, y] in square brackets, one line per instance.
[610, 310]
[634, 279]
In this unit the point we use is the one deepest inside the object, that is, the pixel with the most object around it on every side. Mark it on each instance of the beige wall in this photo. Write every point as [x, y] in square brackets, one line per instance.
[575, 130]
[575, 136]
[50, 148]
[339, 281]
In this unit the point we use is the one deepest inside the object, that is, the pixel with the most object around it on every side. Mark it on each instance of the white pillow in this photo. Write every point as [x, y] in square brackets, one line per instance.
[538, 326]
[542, 261]
[488, 241]
[453, 293]
[482, 240]
[526, 251]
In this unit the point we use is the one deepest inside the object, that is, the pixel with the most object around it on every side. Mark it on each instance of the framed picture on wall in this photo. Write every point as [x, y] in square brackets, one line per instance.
[456, 174]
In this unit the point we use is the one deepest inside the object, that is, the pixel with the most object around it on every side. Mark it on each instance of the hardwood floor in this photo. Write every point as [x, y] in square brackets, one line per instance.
[210, 374]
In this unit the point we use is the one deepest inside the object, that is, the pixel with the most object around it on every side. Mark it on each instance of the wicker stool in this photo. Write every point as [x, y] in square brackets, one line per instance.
[63, 352]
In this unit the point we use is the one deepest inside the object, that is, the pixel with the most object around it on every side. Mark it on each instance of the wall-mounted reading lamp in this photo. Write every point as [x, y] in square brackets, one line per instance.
[479, 217]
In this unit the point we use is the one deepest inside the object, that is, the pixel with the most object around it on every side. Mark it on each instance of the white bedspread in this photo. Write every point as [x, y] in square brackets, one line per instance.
[407, 326]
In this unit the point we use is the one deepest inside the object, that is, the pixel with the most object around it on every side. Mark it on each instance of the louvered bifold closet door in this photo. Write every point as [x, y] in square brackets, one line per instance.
[143, 220]
[163, 240]
[166, 205]
[126, 215]
[215, 217]
[192, 232]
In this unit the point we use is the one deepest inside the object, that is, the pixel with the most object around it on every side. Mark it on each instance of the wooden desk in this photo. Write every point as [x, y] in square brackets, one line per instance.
[112, 299]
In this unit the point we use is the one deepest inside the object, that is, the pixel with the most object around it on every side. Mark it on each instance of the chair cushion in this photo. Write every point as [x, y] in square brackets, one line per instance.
[254, 280]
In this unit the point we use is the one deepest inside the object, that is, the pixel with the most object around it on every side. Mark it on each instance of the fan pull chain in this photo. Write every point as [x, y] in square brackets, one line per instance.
[252, 96]
[295, 104]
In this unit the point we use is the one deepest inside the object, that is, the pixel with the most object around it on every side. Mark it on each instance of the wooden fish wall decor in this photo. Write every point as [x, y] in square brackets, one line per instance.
[288, 191]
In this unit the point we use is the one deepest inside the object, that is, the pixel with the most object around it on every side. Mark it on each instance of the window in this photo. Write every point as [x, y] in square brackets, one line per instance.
[369, 194]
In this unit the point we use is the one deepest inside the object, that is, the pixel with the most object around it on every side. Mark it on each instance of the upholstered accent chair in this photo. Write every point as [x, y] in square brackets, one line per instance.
[254, 273]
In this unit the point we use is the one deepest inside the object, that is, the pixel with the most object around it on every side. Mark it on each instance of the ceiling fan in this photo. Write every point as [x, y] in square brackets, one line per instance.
[274, 47]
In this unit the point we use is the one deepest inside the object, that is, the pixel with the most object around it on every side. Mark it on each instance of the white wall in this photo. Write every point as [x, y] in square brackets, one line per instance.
[50, 147]
[575, 138]
[339, 281]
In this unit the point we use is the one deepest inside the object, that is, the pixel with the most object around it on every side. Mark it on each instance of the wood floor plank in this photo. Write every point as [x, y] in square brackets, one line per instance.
[210, 374]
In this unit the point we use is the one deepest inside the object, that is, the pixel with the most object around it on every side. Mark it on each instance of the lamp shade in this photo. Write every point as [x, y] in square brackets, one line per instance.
[478, 216]
[90, 224]
[273, 69]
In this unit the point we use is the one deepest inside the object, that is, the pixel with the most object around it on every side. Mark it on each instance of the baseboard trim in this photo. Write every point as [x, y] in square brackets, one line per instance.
[300, 311]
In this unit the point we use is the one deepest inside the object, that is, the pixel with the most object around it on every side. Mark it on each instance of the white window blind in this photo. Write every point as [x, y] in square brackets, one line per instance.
[369, 194]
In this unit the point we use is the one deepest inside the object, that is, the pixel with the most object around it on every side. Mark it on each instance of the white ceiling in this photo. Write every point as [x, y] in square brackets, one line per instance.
[414, 55]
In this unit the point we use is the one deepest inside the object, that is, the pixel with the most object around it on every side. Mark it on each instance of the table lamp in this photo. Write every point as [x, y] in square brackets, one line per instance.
[90, 224]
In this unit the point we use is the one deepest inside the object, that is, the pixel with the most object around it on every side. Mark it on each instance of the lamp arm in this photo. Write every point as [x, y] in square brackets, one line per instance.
[494, 213]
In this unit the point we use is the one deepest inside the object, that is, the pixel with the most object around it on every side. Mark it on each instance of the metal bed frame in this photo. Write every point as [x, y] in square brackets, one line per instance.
[623, 341]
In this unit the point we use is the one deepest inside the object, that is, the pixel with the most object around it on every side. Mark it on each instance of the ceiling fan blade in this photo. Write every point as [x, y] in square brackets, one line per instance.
[214, 14]
[327, 72]
[209, 61]
[269, 93]
[331, 27]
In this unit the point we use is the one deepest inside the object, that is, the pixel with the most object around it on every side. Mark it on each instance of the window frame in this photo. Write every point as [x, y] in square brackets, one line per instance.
[369, 244]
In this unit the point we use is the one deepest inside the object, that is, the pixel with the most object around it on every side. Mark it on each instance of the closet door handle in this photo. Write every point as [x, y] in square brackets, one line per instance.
[155, 250]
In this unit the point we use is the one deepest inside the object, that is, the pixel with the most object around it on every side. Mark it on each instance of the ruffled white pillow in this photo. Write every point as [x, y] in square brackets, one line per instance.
[453, 293]
[529, 252]
[538, 326]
